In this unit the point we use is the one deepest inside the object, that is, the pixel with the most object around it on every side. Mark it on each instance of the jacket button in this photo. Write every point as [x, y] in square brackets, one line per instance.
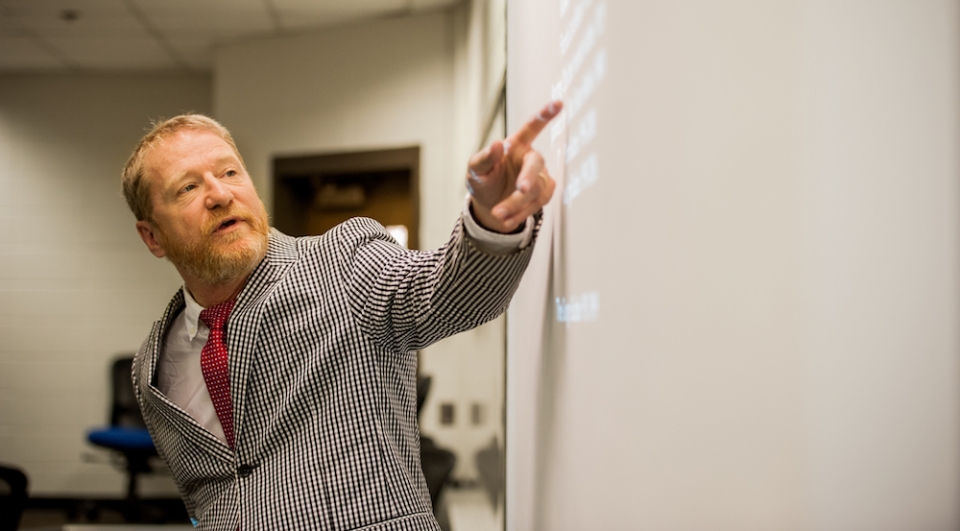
[245, 470]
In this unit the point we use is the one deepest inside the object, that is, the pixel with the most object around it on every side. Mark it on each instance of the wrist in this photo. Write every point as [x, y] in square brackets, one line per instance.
[485, 218]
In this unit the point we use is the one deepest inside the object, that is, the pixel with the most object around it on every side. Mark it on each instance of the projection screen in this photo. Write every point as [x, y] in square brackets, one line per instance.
[743, 311]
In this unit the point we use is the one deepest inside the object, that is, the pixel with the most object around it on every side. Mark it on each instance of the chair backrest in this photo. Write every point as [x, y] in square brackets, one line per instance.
[423, 389]
[13, 497]
[125, 411]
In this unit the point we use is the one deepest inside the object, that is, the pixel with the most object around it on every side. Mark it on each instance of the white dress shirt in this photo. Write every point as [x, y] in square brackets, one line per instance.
[179, 376]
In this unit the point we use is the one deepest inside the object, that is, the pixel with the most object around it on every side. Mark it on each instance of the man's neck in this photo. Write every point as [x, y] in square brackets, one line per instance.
[207, 295]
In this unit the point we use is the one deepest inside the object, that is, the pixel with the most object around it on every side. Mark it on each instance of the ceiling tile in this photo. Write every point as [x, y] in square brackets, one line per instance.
[107, 25]
[421, 5]
[303, 14]
[94, 17]
[300, 20]
[209, 20]
[18, 53]
[342, 6]
[111, 34]
[197, 52]
[204, 5]
[341, 9]
[115, 53]
[9, 28]
[54, 8]
[14, 32]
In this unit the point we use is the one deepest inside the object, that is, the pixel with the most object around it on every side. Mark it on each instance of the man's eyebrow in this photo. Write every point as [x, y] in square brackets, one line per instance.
[174, 184]
[231, 158]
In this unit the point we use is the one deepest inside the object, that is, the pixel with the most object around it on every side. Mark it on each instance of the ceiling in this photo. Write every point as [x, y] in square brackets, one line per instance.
[91, 35]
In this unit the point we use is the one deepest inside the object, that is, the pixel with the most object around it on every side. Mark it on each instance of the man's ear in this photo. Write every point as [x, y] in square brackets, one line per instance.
[148, 234]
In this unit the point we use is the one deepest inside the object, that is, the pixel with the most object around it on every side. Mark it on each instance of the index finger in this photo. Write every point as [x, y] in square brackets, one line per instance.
[529, 131]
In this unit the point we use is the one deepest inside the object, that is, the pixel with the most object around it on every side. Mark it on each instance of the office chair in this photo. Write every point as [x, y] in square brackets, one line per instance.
[423, 389]
[489, 462]
[127, 433]
[13, 497]
[437, 463]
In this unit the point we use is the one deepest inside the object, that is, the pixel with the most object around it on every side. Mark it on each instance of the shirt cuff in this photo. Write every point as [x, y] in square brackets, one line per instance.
[494, 242]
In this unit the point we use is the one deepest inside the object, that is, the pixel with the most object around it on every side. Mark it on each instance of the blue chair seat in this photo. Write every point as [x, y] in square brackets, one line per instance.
[122, 438]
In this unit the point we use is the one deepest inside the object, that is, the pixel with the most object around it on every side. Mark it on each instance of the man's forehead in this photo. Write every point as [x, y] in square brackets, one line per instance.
[190, 141]
[180, 151]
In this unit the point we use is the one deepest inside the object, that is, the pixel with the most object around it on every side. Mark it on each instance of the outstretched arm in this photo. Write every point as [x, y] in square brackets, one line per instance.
[406, 300]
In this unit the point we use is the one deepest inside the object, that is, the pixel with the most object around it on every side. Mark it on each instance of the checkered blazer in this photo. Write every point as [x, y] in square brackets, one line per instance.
[323, 381]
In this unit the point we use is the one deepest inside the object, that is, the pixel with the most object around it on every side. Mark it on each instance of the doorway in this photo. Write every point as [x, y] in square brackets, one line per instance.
[314, 193]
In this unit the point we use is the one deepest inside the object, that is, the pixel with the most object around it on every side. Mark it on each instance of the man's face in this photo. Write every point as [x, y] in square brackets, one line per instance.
[207, 218]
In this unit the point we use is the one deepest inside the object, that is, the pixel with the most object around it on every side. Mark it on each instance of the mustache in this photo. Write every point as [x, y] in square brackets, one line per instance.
[236, 212]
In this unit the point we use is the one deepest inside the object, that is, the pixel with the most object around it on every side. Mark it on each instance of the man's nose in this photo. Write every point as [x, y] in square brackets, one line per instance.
[218, 194]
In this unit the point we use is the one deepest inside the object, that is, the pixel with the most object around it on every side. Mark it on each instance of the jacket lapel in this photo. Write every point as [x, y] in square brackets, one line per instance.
[243, 327]
[180, 419]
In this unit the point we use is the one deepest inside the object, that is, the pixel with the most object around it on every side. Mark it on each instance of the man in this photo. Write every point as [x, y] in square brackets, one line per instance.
[279, 385]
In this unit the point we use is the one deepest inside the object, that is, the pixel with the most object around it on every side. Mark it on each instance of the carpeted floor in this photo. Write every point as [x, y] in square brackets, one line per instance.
[44, 513]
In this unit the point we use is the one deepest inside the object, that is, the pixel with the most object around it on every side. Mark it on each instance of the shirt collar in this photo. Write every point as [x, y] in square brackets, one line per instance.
[191, 312]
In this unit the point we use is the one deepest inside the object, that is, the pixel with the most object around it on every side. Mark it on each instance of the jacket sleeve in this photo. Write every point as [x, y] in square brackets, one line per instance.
[407, 300]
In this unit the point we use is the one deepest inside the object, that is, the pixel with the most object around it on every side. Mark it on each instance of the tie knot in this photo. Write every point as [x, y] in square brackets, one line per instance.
[216, 316]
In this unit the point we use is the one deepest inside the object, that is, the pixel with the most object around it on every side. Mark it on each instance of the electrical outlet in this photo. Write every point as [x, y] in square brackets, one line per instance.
[447, 414]
[477, 413]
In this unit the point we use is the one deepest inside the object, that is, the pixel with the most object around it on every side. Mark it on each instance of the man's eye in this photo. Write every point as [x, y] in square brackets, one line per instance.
[231, 173]
[187, 188]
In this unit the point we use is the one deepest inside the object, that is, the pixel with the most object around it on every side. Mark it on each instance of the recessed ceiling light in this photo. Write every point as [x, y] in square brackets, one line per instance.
[70, 15]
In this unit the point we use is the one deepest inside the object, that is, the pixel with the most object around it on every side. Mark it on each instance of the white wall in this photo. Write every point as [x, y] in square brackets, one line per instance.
[376, 85]
[380, 84]
[471, 369]
[772, 237]
[77, 286]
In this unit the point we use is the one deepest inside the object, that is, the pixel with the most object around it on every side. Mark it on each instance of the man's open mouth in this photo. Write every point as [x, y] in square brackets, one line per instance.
[227, 223]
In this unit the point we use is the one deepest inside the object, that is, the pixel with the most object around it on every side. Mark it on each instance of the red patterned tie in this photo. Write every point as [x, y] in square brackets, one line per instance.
[213, 363]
